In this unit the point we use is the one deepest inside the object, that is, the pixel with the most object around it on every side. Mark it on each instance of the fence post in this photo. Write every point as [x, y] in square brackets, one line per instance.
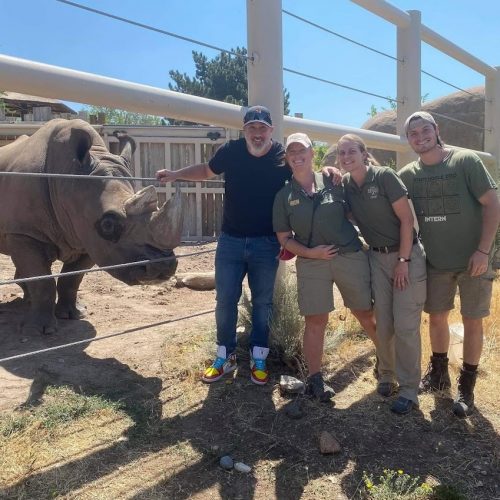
[492, 121]
[265, 71]
[409, 79]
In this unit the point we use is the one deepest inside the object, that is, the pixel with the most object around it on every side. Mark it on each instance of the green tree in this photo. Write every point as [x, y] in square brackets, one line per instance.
[223, 78]
[122, 117]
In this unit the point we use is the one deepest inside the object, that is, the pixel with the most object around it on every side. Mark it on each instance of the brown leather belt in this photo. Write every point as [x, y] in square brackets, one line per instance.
[389, 249]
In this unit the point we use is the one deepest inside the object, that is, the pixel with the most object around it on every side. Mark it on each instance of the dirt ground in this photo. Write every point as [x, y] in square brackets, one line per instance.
[180, 427]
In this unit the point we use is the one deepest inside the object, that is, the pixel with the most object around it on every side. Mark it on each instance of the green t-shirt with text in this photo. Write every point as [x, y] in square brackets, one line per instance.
[445, 197]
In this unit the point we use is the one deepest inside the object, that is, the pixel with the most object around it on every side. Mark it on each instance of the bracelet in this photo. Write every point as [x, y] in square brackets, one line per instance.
[480, 251]
[402, 259]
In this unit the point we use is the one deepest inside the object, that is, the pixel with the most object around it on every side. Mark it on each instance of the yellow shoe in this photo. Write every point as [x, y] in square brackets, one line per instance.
[220, 367]
[258, 370]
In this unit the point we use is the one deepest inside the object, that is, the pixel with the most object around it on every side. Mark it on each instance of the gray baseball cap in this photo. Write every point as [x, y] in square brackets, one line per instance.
[419, 115]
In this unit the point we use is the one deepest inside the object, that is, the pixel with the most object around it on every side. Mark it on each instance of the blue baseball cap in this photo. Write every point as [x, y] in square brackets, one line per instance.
[258, 114]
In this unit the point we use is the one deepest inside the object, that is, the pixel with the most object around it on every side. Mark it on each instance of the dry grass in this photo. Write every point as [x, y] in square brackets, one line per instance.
[174, 452]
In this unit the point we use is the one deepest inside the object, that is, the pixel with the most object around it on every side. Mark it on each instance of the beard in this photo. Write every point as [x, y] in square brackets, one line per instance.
[258, 149]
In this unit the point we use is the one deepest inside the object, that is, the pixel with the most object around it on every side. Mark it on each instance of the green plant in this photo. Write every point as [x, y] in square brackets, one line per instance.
[286, 324]
[396, 485]
[320, 150]
[60, 405]
[12, 424]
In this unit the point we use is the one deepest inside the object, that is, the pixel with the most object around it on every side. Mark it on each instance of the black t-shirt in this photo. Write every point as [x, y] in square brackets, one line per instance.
[251, 184]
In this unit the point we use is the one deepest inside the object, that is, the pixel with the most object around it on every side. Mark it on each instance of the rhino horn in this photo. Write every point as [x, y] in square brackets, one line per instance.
[166, 223]
[142, 202]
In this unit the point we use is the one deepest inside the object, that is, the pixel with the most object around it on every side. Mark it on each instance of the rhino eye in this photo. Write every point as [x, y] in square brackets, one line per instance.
[110, 227]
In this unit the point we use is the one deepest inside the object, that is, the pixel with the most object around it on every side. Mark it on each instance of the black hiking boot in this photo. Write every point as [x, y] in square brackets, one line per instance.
[436, 377]
[464, 402]
[317, 388]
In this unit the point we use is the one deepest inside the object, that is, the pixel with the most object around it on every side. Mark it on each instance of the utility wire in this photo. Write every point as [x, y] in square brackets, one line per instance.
[152, 28]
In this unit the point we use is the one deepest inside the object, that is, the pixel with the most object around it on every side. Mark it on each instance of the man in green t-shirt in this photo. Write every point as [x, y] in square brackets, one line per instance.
[458, 213]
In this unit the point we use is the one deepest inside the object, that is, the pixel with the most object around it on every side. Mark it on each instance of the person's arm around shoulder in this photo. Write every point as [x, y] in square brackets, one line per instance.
[478, 262]
[198, 172]
[324, 252]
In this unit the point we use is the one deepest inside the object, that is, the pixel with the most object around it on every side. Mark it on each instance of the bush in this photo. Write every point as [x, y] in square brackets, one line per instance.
[286, 324]
[396, 485]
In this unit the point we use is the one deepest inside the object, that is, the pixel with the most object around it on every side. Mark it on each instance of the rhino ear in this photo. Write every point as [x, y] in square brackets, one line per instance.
[127, 146]
[80, 141]
[144, 201]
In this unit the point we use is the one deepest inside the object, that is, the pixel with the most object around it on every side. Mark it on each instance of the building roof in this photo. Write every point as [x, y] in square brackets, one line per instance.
[23, 101]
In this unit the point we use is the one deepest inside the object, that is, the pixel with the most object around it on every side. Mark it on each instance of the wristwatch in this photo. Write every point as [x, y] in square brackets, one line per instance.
[402, 259]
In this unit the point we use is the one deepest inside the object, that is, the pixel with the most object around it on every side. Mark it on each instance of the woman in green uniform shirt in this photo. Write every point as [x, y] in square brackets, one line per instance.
[377, 199]
[310, 220]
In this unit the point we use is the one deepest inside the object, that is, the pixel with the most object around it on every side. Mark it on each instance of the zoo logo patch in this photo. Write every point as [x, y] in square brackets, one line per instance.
[372, 192]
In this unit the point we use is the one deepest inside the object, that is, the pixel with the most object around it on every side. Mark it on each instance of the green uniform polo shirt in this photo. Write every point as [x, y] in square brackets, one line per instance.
[445, 197]
[371, 205]
[293, 211]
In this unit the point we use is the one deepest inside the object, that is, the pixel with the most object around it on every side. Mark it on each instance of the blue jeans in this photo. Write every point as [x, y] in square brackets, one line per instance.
[235, 258]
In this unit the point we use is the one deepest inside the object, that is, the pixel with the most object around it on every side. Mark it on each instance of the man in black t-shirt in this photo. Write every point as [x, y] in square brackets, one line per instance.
[254, 172]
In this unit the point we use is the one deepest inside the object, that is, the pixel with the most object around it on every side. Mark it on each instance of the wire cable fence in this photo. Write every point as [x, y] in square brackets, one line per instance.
[103, 337]
[359, 44]
[103, 268]
[152, 28]
[339, 35]
[446, 117]
[95, 177]
[336, 84]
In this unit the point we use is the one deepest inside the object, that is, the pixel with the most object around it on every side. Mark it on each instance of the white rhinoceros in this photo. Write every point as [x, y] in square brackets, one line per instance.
[78, 221]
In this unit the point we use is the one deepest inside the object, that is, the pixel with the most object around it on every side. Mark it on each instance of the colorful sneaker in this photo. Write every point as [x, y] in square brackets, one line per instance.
[220, 367]
[258, 370]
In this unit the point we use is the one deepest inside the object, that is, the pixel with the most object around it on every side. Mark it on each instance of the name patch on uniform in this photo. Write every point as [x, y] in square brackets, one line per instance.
[437, 218]
[294, 202]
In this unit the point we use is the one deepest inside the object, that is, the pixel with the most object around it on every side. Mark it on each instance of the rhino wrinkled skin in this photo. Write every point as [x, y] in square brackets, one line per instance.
[80, 222]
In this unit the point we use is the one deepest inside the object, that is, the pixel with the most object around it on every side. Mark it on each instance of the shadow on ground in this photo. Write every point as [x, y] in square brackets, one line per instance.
[249, 423]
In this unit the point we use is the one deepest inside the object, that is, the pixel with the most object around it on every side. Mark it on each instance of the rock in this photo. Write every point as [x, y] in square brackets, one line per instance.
[466, 106]
[328, 444]
[241, 467]
[291, 385]
[226, 462]
[293, 410]
[196, 281]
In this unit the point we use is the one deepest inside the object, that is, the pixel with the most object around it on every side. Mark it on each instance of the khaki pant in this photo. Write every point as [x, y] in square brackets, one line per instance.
[398, 314]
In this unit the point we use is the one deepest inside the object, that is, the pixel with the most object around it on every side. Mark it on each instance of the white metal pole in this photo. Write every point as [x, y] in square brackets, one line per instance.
[265, 69]
[409, 79]
[492, 121]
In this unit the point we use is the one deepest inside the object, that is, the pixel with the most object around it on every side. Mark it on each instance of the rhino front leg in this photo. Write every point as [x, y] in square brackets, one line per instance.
[68, 306]
[34, 258]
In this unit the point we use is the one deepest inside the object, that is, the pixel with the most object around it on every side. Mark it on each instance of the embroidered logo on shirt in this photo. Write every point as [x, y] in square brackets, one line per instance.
[372, 192]
[294, 202]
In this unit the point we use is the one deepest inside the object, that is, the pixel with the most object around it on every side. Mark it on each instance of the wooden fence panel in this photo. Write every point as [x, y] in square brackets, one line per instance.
[202, 201]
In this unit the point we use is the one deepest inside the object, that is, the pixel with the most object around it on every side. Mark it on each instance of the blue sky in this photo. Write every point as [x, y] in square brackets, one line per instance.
[54, 33]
